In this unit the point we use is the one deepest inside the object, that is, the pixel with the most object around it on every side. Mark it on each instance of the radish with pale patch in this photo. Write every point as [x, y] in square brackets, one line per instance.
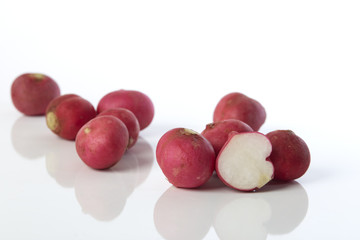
[66, 114]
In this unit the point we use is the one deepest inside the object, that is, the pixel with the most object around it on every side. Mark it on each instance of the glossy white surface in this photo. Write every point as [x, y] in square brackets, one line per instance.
[299, 59]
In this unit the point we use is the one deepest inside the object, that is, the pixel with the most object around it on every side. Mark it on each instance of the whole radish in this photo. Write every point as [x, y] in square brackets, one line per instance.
[239, 106]
[135, 101]
[32, 92]
[102, 141]
[290, 155]
[217, 133]
[186, 158]
[66, 114]
[129, 119]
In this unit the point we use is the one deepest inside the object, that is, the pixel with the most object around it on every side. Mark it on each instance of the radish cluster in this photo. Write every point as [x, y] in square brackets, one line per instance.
[242, 157]
[231, 146]
[101, 135]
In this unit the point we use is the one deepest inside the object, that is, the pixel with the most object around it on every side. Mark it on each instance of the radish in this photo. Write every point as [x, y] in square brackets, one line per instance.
[129, 119]
[66, 114]
[239, 106]
[32, 92]
[290, 155]
[102, 141]
[217, 132]
[243, 161]
[186, 158]
[135, 101]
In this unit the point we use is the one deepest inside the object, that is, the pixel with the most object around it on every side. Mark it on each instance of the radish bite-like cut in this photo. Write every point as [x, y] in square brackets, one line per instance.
[243, 161]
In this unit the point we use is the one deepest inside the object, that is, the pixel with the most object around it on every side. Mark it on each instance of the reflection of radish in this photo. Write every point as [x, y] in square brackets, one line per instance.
[290, 155]
[183, 214]
[130, 121]
[186, 158]
[102, 142]
[29, 137]
[239, 106]
[62, 162]
[102, 195]
[279, 209]
[135, 101]
[145, 157]
[32, 92]
[242, 162]
[243, 218]
[217, 132]
[66, 114]
[289, 204]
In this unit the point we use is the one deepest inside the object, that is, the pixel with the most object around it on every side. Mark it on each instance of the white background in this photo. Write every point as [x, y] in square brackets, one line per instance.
[300, 59]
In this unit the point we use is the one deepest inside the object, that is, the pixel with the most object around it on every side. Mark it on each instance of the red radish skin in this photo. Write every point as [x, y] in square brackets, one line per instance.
[290, 155]
[185, 157]
[239, 106]
[243, 162]
[129, 119]
[135, 101]
[66, 114]
[32, 92]
[217, 132]
[102, 142]
[56, 101]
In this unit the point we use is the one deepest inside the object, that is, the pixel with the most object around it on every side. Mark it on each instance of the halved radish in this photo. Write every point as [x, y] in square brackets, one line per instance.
[243, 161]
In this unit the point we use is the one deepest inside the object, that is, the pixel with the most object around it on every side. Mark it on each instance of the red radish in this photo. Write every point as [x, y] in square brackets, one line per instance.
[32, 92]
[243, 161]
[290, 155]
[186, 158]
[66, 114]
[135, 101]
[217, 133]
[56, 101]
[239, 106]
[129, 119]
[102, 141]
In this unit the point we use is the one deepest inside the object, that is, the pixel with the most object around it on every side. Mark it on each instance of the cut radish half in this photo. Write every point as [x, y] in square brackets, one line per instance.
[243, 161]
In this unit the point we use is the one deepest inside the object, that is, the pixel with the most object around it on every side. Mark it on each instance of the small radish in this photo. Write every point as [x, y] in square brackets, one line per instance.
[217, 132]
[186, 158]
[102, 141]
[32, 92]
[243, 161]
[290, 155]
[239, 106]
[66, 114]
[135, 101]
[129, 119]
